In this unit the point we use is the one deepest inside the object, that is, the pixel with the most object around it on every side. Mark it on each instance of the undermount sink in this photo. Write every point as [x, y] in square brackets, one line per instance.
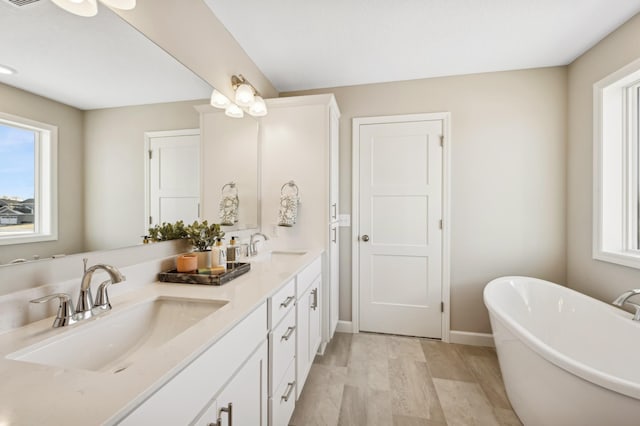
[277, 256]
[113, 342]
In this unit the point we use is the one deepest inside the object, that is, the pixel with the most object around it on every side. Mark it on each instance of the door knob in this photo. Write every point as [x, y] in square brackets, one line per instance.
[365, 238]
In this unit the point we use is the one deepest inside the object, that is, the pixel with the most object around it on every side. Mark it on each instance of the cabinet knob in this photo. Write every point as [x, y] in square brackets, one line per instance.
[365, 238]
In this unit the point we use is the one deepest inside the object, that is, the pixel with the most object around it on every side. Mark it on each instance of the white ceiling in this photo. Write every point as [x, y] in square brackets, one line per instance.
[89, 63]
[306, 44]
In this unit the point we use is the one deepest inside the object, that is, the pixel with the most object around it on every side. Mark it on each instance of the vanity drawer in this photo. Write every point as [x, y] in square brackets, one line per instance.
[283, 400]
[281, 303]
[282, 349]
[307, 276]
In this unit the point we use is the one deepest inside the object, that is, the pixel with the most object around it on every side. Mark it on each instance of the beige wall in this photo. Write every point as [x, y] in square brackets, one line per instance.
[508, 175]
[190, 32]
[114, 168]
[595, 278]
[70, 183]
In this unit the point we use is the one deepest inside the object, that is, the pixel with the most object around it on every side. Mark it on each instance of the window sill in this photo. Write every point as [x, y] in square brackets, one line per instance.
[25, 239]
[629, 259]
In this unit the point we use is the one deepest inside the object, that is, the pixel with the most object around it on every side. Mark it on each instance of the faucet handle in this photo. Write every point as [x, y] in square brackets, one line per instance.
[102, 297]
[66, 313]
[636, 316]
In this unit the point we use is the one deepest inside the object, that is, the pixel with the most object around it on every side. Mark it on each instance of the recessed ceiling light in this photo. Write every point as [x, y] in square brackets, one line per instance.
[6, 70]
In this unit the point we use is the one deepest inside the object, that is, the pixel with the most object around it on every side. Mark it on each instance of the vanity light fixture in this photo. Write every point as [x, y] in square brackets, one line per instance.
[234, 111]
[88, 8]
[246, 99]
[247, 96]
[219, 100]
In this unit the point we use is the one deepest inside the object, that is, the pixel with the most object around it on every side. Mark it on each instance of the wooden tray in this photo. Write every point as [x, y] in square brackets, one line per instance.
[234, 270]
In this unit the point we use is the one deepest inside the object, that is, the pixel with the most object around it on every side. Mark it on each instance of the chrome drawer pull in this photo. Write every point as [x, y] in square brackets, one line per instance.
[287, 394]
[287, 302]
[229, 410]
[288, 334]
[314, 292]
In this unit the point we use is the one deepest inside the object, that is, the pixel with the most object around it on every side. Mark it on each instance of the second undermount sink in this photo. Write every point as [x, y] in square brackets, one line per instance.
[278, 256]
[115, 341]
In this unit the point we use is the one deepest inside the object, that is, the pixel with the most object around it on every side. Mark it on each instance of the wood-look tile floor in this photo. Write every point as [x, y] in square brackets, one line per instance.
[372, 379]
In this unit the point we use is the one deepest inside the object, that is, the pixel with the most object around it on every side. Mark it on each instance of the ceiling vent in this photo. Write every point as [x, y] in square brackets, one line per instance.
[22, 2]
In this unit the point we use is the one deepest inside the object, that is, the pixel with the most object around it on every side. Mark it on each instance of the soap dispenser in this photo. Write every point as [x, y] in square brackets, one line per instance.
[219, 254]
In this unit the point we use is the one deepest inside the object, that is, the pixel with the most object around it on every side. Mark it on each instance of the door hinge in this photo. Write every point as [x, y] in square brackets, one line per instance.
[150, 220]
[442, 307]
[150, 154]
[441, 224]
[441, 140]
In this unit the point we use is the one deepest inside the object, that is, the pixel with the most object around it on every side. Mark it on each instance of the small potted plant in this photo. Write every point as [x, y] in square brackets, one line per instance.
[202, 236]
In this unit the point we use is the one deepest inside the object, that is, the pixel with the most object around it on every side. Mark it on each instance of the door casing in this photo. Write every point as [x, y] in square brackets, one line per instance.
[446, 210]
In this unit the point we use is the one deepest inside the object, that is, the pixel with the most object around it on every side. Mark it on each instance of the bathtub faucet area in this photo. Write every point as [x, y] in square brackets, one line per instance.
[623, 299]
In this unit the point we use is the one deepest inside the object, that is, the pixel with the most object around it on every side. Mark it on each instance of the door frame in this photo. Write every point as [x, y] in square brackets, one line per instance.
[147, 146]
[446, 210]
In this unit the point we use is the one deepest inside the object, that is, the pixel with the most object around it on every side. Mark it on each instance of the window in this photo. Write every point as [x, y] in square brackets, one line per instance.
[28, 158]
[616, 236]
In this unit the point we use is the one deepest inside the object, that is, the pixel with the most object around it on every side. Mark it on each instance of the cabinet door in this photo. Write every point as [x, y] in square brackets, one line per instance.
[333, 298]
[243, 401]
[302, 353]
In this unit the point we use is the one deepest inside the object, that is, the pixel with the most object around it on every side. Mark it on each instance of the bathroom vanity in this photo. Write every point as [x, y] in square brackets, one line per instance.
[238, 353]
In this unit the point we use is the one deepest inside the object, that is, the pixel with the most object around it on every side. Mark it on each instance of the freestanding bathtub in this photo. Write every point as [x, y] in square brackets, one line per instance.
[566, 359]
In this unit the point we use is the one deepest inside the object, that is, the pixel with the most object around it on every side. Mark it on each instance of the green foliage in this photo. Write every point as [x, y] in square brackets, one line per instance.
[168, 231]
[202, 235]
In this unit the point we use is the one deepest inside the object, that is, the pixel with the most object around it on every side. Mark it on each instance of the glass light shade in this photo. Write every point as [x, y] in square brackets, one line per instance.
[219, 100]
[244, 95]
[234, 111]
[258, 108]
[78, 7]
[120, 4]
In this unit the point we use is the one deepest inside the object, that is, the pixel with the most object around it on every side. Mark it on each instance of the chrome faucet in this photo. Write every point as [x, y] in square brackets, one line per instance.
[623, 299]
[85, 305]
[253, 244]
[67, 315]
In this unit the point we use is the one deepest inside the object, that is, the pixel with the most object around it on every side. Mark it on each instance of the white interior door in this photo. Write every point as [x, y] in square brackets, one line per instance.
[400, 244]
[174, 178]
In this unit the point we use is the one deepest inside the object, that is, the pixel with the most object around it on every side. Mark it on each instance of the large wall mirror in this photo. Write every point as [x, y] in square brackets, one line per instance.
[110, 93]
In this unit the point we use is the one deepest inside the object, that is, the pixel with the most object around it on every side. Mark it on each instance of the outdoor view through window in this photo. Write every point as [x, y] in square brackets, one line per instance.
[17, 180]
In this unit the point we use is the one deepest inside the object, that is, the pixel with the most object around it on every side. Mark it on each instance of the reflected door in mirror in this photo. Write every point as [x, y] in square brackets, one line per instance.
[174, 176]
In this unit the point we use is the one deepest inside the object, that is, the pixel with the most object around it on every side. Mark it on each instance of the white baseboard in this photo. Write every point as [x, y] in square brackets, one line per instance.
[470, 338]
[344, 327]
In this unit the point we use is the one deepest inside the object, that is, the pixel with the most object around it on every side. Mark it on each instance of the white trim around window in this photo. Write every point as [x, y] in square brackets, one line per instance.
[616, 167]
[45, 182]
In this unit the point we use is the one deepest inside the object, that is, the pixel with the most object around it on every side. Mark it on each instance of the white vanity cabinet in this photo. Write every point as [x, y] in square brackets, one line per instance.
[233, 370]
[300, 142]
[242, 401]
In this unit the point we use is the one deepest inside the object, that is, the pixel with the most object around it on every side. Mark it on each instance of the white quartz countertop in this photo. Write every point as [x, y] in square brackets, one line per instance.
[32, 394]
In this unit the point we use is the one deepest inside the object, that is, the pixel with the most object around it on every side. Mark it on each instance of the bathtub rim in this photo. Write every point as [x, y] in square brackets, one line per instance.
[593, 375]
